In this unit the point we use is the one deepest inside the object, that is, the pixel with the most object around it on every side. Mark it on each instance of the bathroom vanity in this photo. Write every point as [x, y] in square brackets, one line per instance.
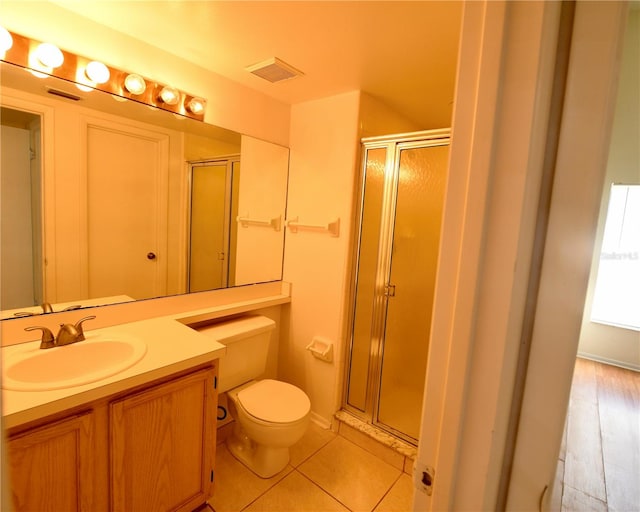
[143, 439]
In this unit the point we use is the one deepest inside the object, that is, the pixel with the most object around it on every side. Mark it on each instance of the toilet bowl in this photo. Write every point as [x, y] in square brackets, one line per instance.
[271, 416]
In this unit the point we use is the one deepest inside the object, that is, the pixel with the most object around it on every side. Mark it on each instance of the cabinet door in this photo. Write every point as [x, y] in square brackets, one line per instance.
[51, 467]
[162, 445]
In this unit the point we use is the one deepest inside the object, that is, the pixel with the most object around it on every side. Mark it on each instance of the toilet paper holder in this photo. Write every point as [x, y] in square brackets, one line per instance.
[321, 348]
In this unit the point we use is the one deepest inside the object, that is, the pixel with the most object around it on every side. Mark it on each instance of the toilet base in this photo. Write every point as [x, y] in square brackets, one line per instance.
[262, 460]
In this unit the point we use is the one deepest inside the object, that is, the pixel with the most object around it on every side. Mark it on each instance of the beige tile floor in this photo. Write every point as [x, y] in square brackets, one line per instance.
[326, 473]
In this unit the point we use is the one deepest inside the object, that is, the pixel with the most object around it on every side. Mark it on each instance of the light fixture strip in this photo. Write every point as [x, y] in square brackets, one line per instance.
[22, 53]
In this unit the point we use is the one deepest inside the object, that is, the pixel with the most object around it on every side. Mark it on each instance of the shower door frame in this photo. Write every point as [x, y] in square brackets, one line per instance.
[229, 161]
[394, 145]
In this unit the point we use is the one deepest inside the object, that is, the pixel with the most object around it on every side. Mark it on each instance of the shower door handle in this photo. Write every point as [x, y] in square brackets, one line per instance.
[390, 290]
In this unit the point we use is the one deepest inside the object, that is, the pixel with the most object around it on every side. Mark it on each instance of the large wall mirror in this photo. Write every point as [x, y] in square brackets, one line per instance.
[106, 201]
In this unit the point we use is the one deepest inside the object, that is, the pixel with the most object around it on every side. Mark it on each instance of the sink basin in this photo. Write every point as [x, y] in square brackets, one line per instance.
[71, 365]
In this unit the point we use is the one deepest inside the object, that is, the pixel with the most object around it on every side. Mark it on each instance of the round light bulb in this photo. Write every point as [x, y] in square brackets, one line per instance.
[49, 55]
[169, 95]
[196, 105]
[37, 74]
[6, 41]
[97, 72]
[135, 84]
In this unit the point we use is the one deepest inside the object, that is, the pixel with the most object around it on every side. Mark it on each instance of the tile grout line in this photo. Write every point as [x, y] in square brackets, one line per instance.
[268, 489]
[311, 454]
[388, 491]
[322, 489]
[294, 468]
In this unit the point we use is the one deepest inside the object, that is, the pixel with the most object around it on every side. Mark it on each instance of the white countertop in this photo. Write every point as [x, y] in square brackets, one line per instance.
[171, 347]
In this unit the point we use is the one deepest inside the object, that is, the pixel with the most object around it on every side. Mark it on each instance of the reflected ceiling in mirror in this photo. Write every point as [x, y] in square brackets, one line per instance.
[103, 174]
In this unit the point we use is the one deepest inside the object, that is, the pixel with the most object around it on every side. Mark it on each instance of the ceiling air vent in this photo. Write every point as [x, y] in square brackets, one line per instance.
[63, 94]
[274, 70]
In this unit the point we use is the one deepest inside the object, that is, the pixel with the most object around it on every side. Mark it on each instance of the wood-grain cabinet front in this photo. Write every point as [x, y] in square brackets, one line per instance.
[151, 449]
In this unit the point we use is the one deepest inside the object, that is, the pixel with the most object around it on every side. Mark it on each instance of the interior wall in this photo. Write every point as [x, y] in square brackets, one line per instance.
[602, 342]
[323, 165]
[263, 181]
[16, 262]
[229, 104]
[198, 147]
[376, 118]
[323, 153]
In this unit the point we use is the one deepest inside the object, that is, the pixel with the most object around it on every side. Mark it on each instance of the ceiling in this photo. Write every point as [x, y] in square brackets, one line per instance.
[403, 53]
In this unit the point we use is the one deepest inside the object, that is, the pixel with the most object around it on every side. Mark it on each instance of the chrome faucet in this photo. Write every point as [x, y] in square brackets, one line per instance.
[68, 333]
[47, 340]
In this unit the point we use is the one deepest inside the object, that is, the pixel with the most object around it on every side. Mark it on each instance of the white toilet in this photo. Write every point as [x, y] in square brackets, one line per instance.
[270, 415]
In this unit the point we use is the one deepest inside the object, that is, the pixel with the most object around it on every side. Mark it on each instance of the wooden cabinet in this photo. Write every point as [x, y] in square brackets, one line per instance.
[52, 467]
[161, 452]
[150, 449]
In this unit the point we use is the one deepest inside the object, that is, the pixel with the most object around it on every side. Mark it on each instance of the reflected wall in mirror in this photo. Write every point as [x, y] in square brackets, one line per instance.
[106, 201]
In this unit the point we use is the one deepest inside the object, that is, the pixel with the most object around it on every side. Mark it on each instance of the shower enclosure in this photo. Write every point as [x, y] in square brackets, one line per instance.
[400, 210]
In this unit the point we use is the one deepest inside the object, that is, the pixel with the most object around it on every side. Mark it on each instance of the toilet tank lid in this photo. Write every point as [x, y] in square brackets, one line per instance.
[232, 330]
[275, 401]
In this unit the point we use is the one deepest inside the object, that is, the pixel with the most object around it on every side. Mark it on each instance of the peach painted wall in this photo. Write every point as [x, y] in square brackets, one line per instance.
[230, 105]
[376, 118]
[16, 261]
[263, 196]
[324, 163]
[323, 156]
[599, 341]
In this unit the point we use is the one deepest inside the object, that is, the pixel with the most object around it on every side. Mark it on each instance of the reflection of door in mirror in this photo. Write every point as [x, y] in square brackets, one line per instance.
[211, 260]
[126, 211]
[97, 159]
[21, 210]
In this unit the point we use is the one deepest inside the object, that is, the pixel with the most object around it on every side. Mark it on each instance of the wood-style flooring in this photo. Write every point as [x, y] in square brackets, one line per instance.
[599, 462]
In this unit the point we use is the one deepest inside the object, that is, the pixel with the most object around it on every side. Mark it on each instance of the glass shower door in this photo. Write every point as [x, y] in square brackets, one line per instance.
[367, 297]
[420, 182]
[209, 233]
[401, 200]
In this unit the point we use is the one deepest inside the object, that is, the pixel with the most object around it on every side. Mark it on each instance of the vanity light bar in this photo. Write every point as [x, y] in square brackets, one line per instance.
[88, 74]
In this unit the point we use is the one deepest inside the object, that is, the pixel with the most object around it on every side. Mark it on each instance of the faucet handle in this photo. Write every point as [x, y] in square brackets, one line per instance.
[48, 340]
[78, 326]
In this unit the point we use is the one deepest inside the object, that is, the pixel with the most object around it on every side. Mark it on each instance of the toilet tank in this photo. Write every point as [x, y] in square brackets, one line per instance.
[247, 340]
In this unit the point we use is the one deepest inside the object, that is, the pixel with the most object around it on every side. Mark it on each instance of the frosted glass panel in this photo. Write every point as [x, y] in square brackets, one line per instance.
[366, 277]
[209, 246]
[416, 235]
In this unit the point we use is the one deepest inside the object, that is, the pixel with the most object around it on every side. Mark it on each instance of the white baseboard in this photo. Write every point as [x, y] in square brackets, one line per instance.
[320, 421]
[599, 359]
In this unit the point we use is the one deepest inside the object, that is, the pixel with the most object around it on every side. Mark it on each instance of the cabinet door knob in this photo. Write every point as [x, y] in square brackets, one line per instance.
[151, 256]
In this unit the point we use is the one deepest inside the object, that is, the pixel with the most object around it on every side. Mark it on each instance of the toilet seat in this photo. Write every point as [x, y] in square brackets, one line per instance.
[274, 401]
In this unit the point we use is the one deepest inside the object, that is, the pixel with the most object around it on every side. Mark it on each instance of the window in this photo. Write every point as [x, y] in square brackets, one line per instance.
[616, 298]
